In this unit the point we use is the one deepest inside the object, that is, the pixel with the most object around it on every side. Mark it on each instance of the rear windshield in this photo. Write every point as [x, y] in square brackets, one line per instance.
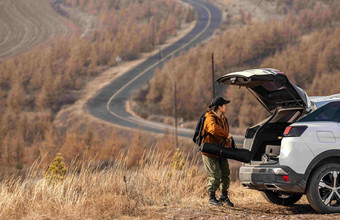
[328, 112]
[273, 86]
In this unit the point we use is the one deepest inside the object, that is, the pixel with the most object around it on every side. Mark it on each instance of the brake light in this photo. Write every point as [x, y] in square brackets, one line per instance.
[294, 131]
[287, 130]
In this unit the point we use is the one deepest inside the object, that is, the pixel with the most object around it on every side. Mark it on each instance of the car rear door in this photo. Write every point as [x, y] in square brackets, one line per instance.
[271, 87]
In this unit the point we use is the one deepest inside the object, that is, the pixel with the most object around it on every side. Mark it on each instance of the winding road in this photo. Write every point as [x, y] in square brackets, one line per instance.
[110, 103]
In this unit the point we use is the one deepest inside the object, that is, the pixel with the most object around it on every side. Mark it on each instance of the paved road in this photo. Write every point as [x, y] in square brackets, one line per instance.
[109, 104]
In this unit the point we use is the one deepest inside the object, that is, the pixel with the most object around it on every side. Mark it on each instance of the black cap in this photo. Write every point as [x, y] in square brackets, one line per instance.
[218, 101]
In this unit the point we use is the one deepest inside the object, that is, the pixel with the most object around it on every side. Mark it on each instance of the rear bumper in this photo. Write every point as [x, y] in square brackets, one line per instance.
[271, 178]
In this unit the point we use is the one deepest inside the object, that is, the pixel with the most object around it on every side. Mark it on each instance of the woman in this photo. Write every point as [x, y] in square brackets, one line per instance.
[216, 131]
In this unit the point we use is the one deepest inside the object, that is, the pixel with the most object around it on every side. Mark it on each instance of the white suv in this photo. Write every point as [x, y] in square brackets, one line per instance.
[296, 150]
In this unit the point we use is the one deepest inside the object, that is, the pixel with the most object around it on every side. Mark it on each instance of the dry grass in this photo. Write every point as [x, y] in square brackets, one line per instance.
[151, 190]
[90, 191]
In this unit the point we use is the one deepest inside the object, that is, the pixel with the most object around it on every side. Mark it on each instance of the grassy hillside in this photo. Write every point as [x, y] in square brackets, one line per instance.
[155, 189]
[304, 44]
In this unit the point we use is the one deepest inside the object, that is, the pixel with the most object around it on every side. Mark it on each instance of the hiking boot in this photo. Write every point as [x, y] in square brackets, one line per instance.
[225, 199]
[213, 200]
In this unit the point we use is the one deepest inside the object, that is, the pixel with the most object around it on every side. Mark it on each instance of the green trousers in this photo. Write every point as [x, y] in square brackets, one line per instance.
[218, 173]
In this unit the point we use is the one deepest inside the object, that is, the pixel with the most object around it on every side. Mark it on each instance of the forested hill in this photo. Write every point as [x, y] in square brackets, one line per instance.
[35, 85]
[305, 45]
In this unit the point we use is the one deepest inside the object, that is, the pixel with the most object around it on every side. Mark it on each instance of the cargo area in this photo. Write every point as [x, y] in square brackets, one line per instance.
[266, 137]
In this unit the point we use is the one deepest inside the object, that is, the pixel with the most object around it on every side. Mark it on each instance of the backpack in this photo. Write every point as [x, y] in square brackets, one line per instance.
[197, 139]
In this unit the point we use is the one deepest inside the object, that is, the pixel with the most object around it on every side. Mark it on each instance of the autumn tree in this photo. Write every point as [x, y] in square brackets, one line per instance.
[298, 45]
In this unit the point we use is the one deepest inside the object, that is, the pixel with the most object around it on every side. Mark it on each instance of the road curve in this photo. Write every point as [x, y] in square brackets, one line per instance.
[109, 104]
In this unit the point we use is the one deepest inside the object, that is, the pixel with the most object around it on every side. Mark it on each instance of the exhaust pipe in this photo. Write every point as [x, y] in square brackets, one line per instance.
[271, 186]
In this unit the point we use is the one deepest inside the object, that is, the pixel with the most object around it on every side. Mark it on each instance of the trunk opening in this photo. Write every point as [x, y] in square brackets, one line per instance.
[268, 136]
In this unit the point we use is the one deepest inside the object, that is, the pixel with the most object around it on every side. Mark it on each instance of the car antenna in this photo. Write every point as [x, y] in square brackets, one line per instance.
[260, 101]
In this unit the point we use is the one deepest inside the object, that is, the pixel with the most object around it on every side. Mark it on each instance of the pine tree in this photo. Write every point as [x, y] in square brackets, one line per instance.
[57, 171]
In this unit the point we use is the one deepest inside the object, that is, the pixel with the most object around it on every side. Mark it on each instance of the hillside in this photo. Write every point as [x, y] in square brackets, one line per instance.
[25, 24]
[116, 173]
[160, 187]
[37, 84]
[302, 42]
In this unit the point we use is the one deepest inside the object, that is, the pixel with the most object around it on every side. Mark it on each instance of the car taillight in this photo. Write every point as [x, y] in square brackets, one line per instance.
[294, 131]
[287, 130]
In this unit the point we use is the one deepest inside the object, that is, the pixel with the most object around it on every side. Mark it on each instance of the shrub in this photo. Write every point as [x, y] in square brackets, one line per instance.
[57, 171]
[177, 160]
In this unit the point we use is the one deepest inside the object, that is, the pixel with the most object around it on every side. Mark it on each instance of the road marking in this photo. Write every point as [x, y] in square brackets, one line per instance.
[152, 66]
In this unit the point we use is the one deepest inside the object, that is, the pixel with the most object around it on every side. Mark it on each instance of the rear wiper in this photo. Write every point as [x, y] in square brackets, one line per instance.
[260, 101]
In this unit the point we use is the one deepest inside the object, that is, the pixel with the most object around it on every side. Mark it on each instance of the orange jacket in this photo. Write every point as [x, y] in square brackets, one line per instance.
[218, 129]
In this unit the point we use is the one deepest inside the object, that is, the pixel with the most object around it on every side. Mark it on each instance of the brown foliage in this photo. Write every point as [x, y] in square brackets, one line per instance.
[304, 45]
[317, 53]
[43, 78]
[48, 77]
[318, 87]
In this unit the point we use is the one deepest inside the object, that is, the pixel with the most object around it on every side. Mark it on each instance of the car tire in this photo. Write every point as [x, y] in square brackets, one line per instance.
[323, 190]
[281, 198]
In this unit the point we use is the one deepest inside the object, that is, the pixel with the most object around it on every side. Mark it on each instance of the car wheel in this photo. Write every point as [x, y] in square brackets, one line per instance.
[323, 191]
[281, 198]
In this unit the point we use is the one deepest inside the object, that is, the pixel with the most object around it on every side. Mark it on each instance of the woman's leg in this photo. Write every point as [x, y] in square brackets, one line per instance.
[224, 166]
[225, 173]
[212, 167]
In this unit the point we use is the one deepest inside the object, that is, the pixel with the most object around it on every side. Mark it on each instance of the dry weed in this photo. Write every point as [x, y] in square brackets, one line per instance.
[145, 190]
[89, 191]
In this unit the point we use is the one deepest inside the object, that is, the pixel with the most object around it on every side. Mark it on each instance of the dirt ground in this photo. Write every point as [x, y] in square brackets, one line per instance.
[249, 204]
[244, 209]
[254, 211]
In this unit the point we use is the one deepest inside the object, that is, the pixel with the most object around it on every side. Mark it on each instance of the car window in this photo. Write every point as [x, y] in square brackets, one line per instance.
[272, 86]
[320, 104]
[328, 112]
[286, 116]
